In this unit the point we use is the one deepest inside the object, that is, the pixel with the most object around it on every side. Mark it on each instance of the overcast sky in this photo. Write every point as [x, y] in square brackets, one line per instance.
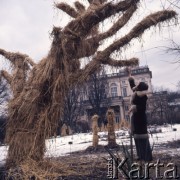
[25, 26]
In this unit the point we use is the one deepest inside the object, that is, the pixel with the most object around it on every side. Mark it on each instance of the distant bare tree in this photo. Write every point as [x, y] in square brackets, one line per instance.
[97, 94]
[174, 49]
[174, 3]
[3, 91]
[163, 106]
[4, 95]
[178, 87]
[72, 107]
[158, 107]
[174, 107]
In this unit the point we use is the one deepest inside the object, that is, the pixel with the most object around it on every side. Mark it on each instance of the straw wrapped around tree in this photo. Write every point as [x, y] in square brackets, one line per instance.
[124, 124]
[35, 110]
[95, 130]
[64, 130]
[20, 64]
[111, 128]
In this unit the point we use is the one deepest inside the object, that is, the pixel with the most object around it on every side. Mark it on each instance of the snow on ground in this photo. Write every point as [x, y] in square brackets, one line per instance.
[61, 145]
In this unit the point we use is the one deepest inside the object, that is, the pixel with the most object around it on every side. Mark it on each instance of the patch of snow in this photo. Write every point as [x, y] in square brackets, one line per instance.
[3, 154]
[62, 146]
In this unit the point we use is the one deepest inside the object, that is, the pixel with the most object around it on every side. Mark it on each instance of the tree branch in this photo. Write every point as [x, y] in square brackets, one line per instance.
[90, 46]
[30, 61]
[67, 9]
[119, 24]
[78, 29]
[95, 66]
[13, 57]
[139, 29]
[80, 7]
[120, 63]
[83, 24]
[6, 76]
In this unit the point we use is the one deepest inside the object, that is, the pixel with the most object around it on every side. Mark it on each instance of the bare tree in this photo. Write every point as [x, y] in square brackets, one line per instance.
[97, 94]
[158, 107]
[174, 107]
[174, 50]
[178, 87]
[72, 107]
[4, 95]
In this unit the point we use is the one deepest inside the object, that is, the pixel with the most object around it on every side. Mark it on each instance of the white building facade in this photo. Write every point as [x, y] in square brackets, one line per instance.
[119, 93]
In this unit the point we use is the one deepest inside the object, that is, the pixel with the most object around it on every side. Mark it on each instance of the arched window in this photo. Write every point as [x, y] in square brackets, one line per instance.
[114, 90]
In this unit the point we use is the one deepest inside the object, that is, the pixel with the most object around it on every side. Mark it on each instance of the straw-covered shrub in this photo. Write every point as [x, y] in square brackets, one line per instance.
[39, 91]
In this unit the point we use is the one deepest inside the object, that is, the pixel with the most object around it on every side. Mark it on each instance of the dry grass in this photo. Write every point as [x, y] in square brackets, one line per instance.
[87, 164]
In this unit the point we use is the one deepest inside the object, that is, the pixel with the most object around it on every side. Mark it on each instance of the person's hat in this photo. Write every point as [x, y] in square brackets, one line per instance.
[142, 86]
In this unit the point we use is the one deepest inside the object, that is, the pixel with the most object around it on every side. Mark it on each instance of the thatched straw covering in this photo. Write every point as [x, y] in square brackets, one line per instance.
[124, 124]
[80, 7]
[68, 9]
[65, 130]
[103, 127]
[39, 98]
[95, 130]
[21, 64]
[6, 76]
[111, 128]
[119, 24]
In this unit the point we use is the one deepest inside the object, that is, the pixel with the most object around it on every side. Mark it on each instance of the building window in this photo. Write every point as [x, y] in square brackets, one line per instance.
[127, 117]
[117, 119]
[124, 92]
[113, 90]
[126, 108]
[123, 82]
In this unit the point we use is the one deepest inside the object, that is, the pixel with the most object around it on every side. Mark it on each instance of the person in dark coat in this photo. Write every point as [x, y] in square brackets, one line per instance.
[139, 120]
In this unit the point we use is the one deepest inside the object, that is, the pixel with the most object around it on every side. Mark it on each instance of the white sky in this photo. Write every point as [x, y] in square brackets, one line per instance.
[25, 26]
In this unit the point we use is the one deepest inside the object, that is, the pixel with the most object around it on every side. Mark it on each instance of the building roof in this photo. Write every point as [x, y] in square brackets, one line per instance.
[135, 71]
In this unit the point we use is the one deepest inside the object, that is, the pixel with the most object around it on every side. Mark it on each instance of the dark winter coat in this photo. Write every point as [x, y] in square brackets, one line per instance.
[139, 115]
[138, 105]
[139, 120]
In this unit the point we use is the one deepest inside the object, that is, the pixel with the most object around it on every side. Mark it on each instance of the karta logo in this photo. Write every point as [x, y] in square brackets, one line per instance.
[140, 171]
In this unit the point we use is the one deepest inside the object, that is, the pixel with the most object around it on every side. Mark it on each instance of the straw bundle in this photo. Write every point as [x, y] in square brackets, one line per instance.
[111, 129]
[124, 124]
[103, 128]
[6, 76]
[68, 9]
[80, 7]
[38, 108]
[95, 130]
[64, 130]
[39, 97]
[20, 64]
[116, 126]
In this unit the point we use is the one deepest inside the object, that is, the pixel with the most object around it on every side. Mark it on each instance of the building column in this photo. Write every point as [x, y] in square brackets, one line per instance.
[121, 112]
